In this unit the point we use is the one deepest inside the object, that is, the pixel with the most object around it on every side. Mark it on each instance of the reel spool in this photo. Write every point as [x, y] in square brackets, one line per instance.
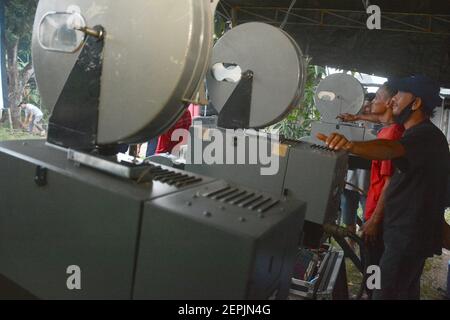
[148, 59]
[257, 76]
[337, 94]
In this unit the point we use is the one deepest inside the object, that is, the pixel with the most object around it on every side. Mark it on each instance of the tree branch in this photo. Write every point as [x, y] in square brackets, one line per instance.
[27, 74]
[27, 69]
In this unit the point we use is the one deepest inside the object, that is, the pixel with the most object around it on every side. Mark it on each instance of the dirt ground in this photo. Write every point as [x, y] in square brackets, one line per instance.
[434, 278]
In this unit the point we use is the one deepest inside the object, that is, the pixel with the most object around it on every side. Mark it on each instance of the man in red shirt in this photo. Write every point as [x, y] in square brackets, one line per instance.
[165, 143]
[381, 172]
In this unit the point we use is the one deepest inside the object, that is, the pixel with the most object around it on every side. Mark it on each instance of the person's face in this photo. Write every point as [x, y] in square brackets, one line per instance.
[401, 101]
[381, 102]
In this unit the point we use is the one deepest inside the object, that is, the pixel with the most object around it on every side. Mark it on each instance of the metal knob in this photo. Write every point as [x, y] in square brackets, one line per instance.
[99, 34]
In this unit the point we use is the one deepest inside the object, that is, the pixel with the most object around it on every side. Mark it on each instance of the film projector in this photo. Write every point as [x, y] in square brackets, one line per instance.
[269, 85]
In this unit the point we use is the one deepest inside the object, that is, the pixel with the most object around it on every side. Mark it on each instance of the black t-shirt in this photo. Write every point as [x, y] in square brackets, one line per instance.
[415, 199]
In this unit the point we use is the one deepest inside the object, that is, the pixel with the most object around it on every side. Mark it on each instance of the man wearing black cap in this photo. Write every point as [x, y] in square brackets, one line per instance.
[415, 199]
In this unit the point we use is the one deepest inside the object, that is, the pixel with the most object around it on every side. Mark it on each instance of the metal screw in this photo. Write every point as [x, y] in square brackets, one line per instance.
[248, 74]
[99, 34]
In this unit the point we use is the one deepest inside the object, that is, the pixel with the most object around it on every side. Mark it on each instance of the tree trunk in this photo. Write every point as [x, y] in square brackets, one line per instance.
[18, 80]
[13, 79]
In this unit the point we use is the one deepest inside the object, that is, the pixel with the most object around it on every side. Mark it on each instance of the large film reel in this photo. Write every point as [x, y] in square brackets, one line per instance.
[257, 76]
[337, 94]
[155, 55]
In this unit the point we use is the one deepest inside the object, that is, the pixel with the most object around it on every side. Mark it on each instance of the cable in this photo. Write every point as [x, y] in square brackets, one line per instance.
[360, 191]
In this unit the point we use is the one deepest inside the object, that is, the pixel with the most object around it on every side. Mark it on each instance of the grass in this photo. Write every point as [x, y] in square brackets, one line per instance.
[354, 278]
[6, 134]
[428, 288]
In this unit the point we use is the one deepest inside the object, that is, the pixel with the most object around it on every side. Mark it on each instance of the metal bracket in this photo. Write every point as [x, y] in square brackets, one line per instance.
[74, 121]
[236, 112]
[108, 165]
[41, 176]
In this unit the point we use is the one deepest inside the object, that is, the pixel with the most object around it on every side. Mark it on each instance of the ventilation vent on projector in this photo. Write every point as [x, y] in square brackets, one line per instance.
[319, 147]
[250, 200]
[171, 178]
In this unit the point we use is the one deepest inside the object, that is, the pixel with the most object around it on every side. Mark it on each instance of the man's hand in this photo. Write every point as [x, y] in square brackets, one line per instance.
[346, 117]
[336, 141]
[371, 231]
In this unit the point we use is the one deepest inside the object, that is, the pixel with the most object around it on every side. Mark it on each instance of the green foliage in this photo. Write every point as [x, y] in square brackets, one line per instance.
[31, 94]
[220, 26]
[33, 97]
[19, 16]
[19, 19]
[298, 124]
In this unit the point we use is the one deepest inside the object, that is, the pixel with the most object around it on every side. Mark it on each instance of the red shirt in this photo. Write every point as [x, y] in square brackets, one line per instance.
[381, 170]
[165, 143]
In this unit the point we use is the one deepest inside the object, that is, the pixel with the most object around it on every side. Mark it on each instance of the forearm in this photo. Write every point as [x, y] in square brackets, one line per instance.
[378, 149]
[368, 117]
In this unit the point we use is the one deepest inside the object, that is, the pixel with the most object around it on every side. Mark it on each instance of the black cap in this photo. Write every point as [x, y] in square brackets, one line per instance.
[422, 87]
